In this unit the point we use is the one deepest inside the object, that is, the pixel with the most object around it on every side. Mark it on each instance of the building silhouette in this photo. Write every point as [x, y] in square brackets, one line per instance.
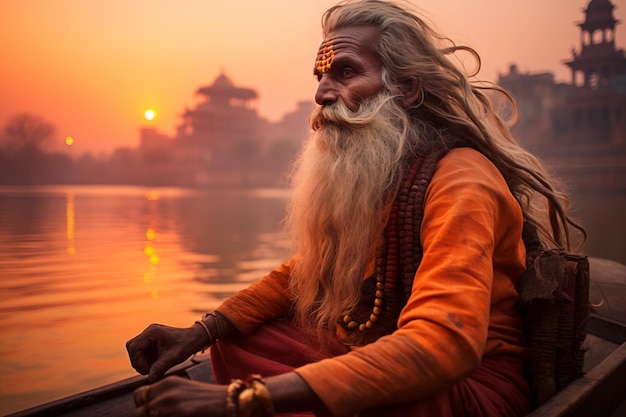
[224, 141]
[579, 128]
[596, 103]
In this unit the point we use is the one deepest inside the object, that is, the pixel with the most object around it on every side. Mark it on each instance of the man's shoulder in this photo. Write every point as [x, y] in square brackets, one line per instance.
[465, 176]
[467, 161]
[466, 170]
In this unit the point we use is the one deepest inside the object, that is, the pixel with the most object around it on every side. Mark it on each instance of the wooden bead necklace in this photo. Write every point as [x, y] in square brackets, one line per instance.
[401, 238]
[379, 302]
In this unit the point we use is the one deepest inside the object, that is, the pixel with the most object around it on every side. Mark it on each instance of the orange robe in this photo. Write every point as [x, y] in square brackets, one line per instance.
[462, 307]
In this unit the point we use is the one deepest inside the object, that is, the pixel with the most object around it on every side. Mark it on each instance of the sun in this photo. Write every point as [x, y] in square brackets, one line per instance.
[149, 114]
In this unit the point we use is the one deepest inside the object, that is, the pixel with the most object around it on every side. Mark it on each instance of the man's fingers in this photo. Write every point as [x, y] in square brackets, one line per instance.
[140, 396]
[150, 352]
[141, 365]
[141, 352]
[138, 361]
[158, 369]
[155, 375]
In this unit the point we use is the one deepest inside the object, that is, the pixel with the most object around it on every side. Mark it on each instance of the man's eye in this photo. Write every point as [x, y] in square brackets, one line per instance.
[348, 72]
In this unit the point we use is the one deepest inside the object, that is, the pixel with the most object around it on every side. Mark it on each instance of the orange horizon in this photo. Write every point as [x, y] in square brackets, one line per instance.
[93, 69]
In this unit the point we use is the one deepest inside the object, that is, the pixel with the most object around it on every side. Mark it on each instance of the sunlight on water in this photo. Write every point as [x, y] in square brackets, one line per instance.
[84, 269]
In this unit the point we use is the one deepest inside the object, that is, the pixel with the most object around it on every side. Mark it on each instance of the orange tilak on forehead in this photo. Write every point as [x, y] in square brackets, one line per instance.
[325, 57]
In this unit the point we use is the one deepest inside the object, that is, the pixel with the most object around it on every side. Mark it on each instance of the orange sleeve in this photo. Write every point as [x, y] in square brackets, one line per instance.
[471, 236]
[264, 300]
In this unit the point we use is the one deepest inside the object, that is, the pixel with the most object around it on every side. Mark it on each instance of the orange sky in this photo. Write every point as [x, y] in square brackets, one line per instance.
[93, 67]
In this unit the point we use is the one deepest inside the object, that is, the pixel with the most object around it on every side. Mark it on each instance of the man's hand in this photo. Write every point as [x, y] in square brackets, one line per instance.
[175, 396]
[159, 347]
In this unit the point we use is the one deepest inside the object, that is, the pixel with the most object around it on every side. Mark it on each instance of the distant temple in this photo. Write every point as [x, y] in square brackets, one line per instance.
[579, 127]
[226, 114]
[224, 141]
[589, 111]
[596, 104]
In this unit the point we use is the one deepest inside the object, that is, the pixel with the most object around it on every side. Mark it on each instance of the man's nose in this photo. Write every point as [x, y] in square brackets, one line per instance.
[326, 92]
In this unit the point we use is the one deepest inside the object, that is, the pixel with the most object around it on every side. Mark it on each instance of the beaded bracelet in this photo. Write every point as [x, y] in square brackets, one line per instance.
[246, 404]
[232, 397]
[261, 394]
[249, 398]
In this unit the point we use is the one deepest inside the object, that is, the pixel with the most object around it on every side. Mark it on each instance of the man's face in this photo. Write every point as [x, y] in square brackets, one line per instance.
[347, 67]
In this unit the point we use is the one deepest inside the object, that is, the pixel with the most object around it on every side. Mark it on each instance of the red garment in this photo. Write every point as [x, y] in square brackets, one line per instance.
[274, 349]
[496, 388]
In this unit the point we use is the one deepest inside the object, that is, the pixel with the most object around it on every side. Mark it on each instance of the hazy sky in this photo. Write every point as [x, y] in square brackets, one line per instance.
[93, 67]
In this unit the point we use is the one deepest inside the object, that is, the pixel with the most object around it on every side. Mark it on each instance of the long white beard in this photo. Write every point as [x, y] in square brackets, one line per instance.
[343, 183]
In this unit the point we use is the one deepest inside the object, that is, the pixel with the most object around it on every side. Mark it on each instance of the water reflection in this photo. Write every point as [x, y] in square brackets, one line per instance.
[69, 219]
[83, 269]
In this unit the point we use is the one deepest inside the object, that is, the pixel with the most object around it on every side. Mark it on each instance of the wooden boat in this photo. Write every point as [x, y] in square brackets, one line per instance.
[600, 393]
[115, 399]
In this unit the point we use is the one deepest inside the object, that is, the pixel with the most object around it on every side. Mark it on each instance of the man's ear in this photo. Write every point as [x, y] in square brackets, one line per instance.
[412, 92]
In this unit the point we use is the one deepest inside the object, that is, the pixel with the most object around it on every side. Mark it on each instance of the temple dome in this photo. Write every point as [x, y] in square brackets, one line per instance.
[223, 87]
[599, 15]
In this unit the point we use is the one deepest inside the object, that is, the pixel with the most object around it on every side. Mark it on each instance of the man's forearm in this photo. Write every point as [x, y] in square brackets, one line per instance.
[291, 393]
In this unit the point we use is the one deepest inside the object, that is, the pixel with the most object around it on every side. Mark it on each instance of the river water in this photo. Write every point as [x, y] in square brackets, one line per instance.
[85, 268]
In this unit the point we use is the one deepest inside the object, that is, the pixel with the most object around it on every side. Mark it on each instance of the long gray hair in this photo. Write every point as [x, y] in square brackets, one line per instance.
[413, 53]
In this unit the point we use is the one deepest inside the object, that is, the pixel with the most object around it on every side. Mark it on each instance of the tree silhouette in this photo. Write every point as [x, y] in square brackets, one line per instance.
[27, 133]
[24, 160]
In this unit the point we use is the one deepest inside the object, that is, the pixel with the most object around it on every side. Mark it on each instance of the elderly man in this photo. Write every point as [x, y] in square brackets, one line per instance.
[390, 305]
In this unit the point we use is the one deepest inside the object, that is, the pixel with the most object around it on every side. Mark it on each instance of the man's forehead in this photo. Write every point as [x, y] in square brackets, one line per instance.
[325, 57]
[351, 40]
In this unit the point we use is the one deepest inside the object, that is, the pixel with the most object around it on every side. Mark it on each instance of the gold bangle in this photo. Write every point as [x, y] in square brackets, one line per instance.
[249, 398]
[247, 404]
[232, 397]
[262, 394]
